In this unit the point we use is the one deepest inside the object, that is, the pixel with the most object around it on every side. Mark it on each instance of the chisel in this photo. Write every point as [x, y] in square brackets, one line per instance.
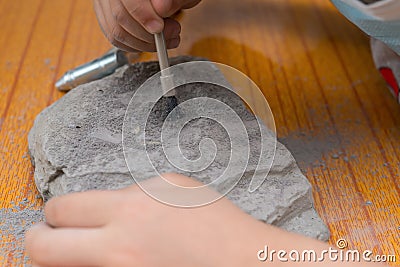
[166, 76]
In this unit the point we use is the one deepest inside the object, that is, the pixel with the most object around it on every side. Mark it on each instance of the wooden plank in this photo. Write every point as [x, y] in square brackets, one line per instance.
[41, 63]
[314, 68]
[15, 43]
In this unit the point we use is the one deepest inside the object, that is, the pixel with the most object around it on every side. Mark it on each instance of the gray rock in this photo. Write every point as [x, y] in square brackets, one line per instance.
[75, 145]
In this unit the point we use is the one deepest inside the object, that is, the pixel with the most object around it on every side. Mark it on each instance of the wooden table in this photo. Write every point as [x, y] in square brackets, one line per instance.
[331, 107]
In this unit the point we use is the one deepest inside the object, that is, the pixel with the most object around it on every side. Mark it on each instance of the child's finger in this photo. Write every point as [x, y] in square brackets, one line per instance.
[166, 8]
[172, 29]
[126, 21]
[106, 26]
[47, 246]
[142, 11]
[86, 209]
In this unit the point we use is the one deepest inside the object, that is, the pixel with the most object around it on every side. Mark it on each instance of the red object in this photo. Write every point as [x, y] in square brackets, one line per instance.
[387, 73]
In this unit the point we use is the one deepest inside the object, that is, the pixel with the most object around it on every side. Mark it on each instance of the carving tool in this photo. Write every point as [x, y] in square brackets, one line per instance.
[166, 76]
[94, 70]
[112, 60]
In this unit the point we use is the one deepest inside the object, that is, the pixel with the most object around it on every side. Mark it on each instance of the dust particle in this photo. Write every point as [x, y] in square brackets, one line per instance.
[368, 203]
[47, 61]
[13, 225]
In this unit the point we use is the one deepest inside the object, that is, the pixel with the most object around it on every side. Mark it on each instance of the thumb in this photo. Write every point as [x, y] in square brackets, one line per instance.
[166, 8]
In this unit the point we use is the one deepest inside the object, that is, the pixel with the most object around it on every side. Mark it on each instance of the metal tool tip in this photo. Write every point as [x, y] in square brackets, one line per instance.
[171, 103]
[62, 84]
[59, 83]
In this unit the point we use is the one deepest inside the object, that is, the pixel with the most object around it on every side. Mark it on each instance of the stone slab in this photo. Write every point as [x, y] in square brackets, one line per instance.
[76, 145]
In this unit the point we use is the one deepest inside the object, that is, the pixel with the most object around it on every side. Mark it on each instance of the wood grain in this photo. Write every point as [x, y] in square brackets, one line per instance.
[331, 107]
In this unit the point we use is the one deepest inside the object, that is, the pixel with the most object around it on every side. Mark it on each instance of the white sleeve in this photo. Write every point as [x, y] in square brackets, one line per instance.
[380, 9]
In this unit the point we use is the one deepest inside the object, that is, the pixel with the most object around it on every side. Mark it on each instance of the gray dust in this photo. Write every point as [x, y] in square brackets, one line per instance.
[14, 222]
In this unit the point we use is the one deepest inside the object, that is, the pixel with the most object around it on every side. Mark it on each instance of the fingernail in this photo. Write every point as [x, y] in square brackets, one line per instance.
[154, 26]
[173, 43]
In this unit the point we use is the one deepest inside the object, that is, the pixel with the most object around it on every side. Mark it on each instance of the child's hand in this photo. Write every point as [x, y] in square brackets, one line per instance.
[128, 228]
[129, 24]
